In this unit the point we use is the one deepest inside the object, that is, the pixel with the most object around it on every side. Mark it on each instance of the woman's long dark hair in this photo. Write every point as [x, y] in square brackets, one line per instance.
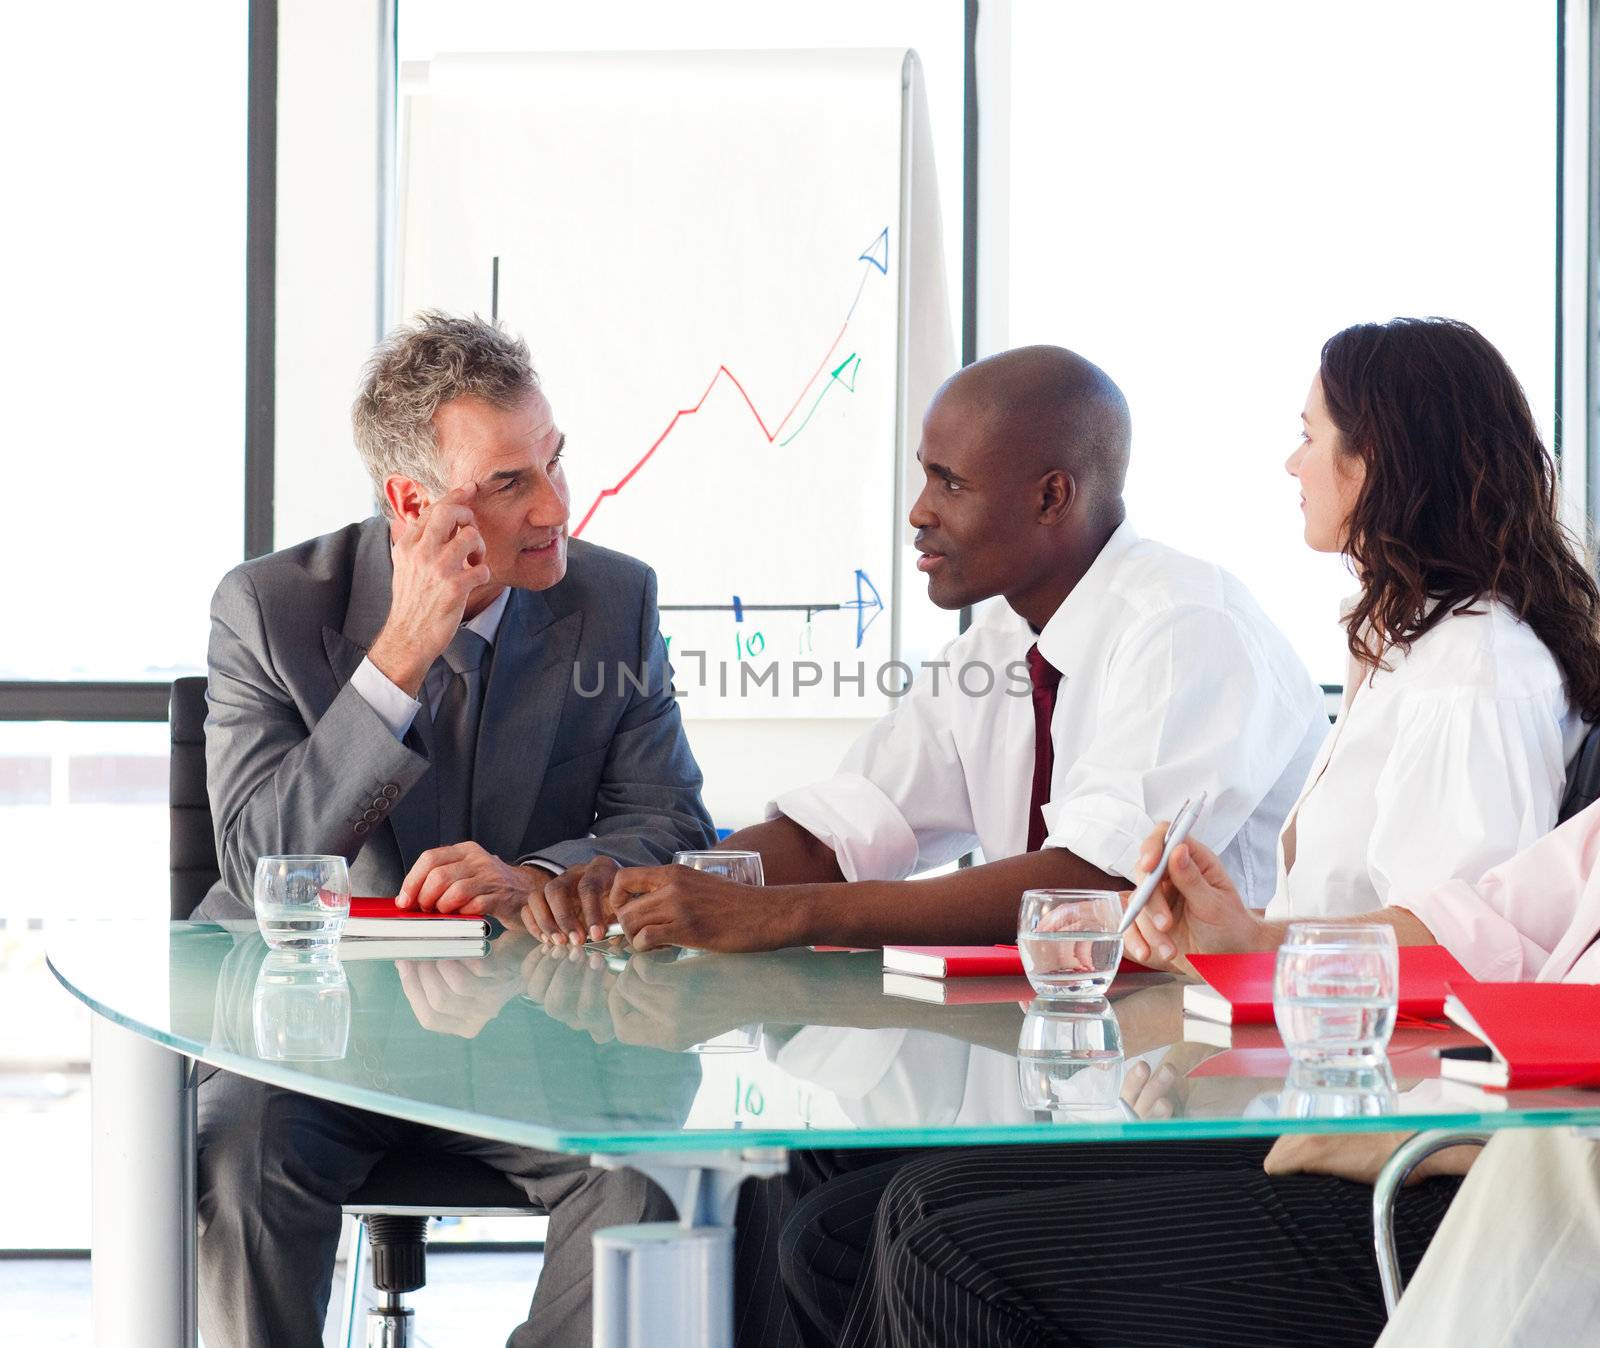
[1459, 500]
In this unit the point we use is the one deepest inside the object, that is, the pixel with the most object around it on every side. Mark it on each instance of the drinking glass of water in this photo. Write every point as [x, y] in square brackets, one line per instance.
[1335, 992]
[1069, 940]
[741, 867]
[302, 901]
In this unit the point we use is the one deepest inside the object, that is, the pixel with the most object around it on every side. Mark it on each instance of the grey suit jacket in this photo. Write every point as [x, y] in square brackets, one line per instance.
[297, 761]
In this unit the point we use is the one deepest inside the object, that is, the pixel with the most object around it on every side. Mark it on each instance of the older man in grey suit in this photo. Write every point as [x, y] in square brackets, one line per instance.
[401, 692]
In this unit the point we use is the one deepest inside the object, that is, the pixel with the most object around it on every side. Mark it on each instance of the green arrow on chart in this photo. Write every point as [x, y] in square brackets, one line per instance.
[843, 374]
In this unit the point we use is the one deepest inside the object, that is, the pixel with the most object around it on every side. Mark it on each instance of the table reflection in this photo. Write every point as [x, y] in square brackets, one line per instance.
[300, 1010]
[1314, 1091]
[1069, 1056]
[812, 1038]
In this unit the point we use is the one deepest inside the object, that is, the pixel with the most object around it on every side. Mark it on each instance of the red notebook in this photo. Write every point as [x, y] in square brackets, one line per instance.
[952, 961]
[965, 961]
[1535, 1035]
[380, 918]
[1238, 988]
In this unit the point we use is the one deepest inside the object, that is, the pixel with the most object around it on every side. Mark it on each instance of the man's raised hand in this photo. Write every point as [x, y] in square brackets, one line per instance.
[439, 560]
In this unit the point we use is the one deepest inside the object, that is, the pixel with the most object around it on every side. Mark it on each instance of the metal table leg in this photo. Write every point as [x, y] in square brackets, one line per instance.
[142, 1177]
[1407, 1156]
[670, 1285]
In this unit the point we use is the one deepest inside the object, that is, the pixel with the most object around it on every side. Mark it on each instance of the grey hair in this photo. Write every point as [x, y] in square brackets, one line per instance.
[417, 368]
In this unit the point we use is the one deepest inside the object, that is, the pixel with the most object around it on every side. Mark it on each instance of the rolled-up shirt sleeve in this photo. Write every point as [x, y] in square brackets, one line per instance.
[1191, 705]
[899, 802]
[1472, 779]
[1505, 925]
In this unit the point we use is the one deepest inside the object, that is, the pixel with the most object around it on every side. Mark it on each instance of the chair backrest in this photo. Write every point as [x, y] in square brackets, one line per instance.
[192, 846]
[1583, 777]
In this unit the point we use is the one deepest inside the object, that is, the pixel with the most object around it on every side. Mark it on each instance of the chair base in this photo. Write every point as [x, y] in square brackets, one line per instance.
[389, 1326]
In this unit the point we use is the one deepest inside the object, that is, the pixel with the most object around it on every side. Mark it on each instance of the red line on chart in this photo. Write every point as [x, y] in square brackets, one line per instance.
[689, 412]
[723, 370]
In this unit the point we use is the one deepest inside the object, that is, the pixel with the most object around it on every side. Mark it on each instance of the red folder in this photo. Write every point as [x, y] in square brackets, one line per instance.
[371, 917]
[1537, 1035]
[1238, 988]
[952, 961]
[965, 961]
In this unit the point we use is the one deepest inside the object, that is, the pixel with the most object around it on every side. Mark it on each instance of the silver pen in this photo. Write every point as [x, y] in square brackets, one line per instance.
[1177, 831]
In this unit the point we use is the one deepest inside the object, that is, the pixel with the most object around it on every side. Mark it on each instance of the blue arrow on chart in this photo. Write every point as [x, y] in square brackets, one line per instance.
[868, 604]
[877, 252]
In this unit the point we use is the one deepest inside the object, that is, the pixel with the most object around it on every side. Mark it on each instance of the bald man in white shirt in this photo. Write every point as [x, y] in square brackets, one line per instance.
[1118, 678]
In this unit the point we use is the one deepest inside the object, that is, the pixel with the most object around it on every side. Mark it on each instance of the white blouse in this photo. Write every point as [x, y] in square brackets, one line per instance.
[1439, 768]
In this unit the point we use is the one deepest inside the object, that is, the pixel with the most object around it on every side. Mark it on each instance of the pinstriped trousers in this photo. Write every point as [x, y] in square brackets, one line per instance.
[761, 1315]
[1101, 1244]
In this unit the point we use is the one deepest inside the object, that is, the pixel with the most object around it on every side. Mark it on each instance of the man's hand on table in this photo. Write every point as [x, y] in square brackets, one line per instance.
[464, 878]
[674, 905]
[574, 906]
[1358, 1156]
[1195, 909]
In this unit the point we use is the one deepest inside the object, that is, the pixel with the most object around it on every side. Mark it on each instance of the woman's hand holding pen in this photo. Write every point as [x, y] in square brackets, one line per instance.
[1195, 909]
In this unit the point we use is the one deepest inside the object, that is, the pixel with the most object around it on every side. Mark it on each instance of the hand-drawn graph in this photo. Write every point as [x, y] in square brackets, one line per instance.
[705, 253]
[876, 258]
[867, 606]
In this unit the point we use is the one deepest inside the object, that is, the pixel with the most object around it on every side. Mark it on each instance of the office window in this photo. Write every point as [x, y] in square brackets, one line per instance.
[1202, 194]
[92, 797]
[123, 272]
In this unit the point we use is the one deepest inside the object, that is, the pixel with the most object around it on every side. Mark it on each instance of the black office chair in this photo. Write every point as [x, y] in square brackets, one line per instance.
[1583, 777]
[405, 1189]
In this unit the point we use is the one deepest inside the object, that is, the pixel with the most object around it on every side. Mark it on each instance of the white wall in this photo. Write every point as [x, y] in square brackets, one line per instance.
[747, 763]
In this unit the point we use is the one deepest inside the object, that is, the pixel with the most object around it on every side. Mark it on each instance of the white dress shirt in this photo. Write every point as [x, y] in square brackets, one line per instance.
[397, 708]
[1173, 683]
[1437, 769]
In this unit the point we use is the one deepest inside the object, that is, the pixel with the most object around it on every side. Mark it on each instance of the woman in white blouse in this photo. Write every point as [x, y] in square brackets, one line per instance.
[1474, 651]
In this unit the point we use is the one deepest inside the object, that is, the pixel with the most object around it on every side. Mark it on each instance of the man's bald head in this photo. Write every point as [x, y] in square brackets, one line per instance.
[1040, 408]
[1023, 458]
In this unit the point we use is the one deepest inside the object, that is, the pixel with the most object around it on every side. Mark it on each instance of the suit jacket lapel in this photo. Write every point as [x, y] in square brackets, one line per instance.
[370, 581]
[529, 678]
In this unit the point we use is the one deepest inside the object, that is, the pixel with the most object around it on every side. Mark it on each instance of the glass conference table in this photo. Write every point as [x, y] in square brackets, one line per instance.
[698, 1070]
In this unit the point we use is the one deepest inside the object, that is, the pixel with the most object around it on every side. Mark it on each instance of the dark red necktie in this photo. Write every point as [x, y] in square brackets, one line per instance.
[1046, 678]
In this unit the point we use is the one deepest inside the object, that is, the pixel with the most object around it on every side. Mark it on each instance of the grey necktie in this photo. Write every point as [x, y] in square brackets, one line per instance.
[455, 730]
